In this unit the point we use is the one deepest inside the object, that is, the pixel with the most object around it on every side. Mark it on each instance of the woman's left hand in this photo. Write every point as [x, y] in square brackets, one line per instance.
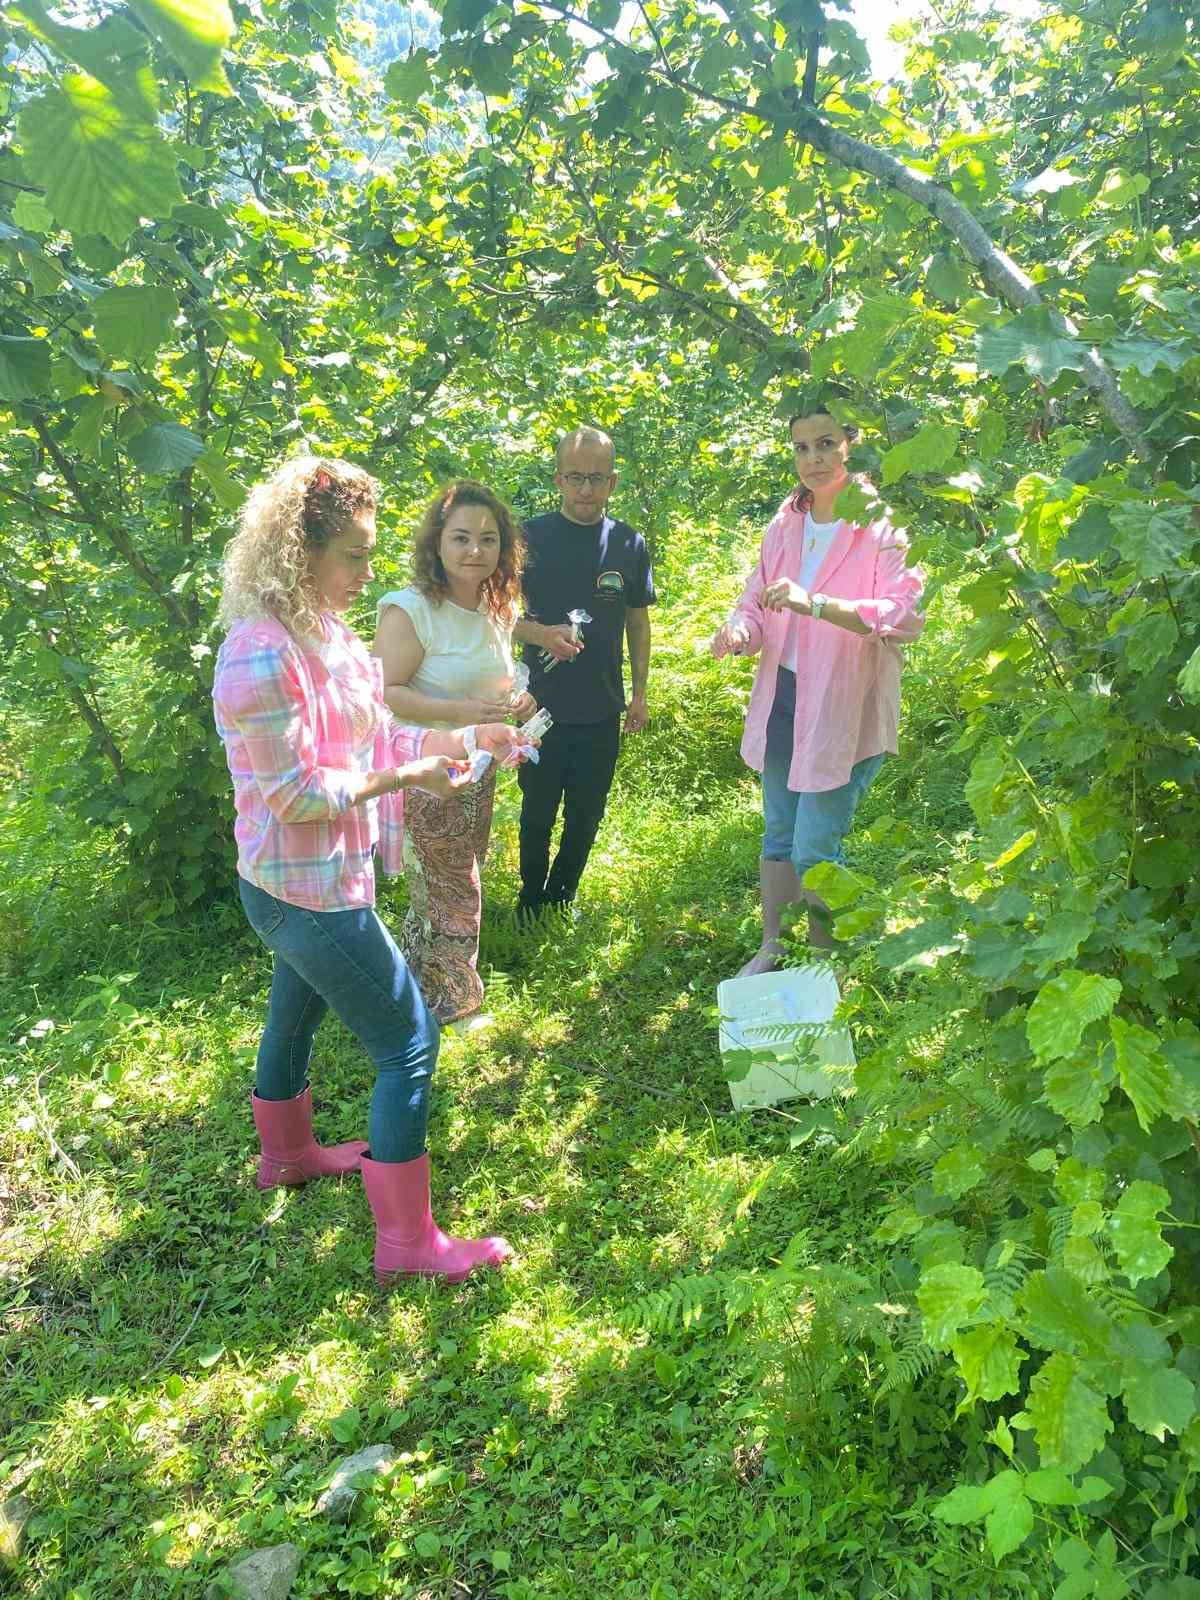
[524, 706]
[785, 595]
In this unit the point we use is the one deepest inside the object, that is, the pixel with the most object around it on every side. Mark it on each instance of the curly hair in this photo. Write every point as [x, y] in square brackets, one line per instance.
[502, 590]
[305, 503]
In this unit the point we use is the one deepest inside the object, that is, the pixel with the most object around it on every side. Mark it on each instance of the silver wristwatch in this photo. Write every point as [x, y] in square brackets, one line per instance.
[816, 604]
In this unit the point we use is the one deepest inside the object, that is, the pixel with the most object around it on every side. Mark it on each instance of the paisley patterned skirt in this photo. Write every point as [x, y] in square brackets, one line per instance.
[445, 846]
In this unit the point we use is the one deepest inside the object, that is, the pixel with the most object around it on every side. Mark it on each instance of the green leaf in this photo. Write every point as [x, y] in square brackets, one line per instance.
[1136, 1232]
[1147, 354]
[1069, 1418]
[31, 213]
[1158, 1398]
[989, 1360]
[959, 1170]
[102, 169]
[165, 447]
[1150, 641]
[919, 947]
[929, 449]
[967, 1503]
[990, 776]
[24, 368]
[227, 491]
[408, 78]
[949, 1296]
[1050, 1486]
[85, 435]
[1059, 1315]
[1034, 340]
[134, 319]
[253, 336]
[195, 33]
[1144, 1072]
[113, 51]
[1189, 676]
[947, 279]
[1157, 542]
[1075, 1089]
[1008, 1525]
[1063, 1009]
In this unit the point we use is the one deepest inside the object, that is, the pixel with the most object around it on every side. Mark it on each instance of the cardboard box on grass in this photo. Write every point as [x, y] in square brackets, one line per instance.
[775, 1039]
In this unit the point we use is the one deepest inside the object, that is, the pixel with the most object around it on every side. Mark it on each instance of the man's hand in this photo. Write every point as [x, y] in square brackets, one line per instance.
[637, 715]
[784, 595]
[472, 711]
[731, 638]
[556, 637]
[523, 707]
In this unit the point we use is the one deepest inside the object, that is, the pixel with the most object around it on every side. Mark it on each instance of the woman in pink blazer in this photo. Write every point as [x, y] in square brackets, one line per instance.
[826, 610]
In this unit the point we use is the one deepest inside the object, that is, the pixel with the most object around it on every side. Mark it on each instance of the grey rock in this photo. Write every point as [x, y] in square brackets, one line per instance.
[336, 1500]
[15, 1512]
[266, 1574]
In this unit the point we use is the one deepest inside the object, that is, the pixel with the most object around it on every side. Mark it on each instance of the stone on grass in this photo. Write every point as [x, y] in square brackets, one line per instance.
[15, 1512]
[336, 1500]
[266, 1574]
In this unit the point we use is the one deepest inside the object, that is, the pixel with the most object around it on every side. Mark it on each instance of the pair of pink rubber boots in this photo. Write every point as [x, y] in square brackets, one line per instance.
[407, 1239]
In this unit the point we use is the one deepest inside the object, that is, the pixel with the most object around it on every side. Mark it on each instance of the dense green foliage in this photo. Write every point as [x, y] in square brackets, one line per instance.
[225, 240]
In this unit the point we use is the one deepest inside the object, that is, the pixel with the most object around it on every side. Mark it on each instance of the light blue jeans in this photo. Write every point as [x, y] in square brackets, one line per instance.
[347, 962]
[804, 828]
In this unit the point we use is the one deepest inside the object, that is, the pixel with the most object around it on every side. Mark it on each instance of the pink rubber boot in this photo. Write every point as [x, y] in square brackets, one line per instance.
[290, 1154]
[407, 1239]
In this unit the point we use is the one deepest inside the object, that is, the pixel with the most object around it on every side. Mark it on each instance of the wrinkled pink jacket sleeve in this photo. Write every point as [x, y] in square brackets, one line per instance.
[893, 612]
[260, 693]
[748, 610]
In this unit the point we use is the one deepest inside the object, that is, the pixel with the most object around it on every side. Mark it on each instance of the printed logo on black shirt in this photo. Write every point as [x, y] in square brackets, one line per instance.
[610, 586]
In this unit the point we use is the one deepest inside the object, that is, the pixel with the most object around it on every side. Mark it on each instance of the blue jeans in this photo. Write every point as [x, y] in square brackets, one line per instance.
[346, 961]
[804, 828]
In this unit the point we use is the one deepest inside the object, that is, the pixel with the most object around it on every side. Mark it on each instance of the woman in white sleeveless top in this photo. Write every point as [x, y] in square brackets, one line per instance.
[445, 643]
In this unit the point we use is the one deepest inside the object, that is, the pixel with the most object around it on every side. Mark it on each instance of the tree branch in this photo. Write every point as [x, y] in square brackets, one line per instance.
[115, 536]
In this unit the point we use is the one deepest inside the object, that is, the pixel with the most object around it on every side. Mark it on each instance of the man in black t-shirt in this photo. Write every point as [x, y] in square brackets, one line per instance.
[579, 559]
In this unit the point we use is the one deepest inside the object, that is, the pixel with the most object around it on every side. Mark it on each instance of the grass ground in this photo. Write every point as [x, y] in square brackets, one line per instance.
[186, 1357]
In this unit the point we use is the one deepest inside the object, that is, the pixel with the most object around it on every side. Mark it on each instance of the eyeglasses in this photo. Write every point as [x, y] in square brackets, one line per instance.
[594, 480]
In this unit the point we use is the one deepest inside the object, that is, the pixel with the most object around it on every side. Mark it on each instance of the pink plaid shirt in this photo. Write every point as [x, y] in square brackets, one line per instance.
[288, 725]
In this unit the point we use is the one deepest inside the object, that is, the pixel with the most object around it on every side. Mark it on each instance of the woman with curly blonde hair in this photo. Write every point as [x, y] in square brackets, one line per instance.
[319, 768]
[446, 647]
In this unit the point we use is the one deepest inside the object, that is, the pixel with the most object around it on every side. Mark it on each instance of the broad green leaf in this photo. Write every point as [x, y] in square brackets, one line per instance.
[1137, 1233]
[103, 170]
[253, 336]
[958, 1170]
[1144, 1072]
[929, 449]
[990, 777]
[408, 77]
[1008, 1525]
[783, 69]
[113, 51]
[1147, 354]
[949, 1296]
[1120, 187]
[968, 1503]
[1033, 339]
[85, 435]
[1070, 1419]
[1159, 1399]
[1150, 641]
[947, 279]
[1189, 677]
[24, 368]
[837, 885]
[165, 447]
[1050, 1486]
[1156, 542]
[1064, 932]
[227, 491]
[31, 213]
[1060, 1315]
[134, 319]
[919, 947]
[195, 32]
[1063, 1009]
[989, 1360]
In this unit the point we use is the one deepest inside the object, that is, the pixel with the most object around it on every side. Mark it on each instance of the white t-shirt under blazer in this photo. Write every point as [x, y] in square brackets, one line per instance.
[468, 654]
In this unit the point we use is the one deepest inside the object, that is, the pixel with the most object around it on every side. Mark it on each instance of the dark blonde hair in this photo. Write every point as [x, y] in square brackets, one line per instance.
[306, 502]
[502, 590]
